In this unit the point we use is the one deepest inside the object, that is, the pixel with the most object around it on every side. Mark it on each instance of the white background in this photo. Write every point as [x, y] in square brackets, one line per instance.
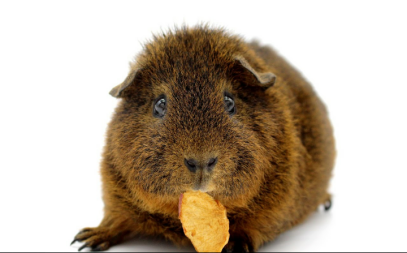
[59, 60]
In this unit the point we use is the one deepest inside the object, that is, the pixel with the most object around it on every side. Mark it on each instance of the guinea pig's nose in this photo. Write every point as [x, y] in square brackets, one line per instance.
[194, 165]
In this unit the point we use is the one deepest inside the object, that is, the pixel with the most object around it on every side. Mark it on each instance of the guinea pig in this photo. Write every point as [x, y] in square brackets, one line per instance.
[201, 109]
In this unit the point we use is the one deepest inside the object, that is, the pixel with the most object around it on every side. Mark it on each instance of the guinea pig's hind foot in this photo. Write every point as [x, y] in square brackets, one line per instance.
[328, 205]
[327, 202]
[97, 239]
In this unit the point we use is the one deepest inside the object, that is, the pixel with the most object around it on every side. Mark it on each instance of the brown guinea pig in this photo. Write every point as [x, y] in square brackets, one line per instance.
[203, 110]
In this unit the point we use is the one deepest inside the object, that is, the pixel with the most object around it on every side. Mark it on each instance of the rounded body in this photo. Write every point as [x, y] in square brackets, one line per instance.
[274, 155]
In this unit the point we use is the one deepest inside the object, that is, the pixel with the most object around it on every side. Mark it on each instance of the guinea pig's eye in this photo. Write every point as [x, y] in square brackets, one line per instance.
[229, 104]
[160, 107]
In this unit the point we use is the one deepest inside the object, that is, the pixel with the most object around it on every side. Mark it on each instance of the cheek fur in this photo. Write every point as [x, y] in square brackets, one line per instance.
[154, 170]
[239, 174]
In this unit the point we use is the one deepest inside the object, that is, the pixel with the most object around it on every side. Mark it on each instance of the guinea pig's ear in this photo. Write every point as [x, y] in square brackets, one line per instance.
[265, 80]
[116, 91]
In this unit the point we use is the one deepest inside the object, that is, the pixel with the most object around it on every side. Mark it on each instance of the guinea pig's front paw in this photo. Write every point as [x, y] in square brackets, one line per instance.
[97, 239]
[237, 245]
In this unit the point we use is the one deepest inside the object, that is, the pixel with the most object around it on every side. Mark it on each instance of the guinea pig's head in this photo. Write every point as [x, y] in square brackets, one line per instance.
[191, 117]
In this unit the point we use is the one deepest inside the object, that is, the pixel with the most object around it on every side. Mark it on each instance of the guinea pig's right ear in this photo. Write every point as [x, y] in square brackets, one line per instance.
[264, 79]
[117, 91]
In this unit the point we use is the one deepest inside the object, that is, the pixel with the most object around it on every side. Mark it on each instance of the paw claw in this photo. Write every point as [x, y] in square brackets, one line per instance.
[82, 247]
[97, 239]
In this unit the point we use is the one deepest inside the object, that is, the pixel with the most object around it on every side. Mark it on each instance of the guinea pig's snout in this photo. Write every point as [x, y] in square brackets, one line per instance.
[195, 165]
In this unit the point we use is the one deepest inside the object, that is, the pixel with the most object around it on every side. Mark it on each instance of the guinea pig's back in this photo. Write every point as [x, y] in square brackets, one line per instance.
[312, 123]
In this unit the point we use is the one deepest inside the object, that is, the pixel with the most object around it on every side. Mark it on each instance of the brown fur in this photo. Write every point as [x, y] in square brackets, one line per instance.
[275, 155]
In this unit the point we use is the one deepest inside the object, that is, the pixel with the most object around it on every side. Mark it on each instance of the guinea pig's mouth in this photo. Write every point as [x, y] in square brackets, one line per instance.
[202, 188]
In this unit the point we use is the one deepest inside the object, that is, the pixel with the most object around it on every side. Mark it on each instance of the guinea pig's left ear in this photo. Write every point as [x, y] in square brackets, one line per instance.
[265, 80]
[117, 91]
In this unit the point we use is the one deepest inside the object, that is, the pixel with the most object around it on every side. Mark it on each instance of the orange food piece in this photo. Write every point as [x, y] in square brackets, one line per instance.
[204, 221]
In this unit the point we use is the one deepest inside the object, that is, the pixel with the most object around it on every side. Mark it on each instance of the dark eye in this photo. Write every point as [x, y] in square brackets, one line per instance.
[229, 104]
[160, 107]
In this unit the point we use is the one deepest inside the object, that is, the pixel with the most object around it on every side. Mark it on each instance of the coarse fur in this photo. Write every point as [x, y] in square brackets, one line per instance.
[275, 155]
